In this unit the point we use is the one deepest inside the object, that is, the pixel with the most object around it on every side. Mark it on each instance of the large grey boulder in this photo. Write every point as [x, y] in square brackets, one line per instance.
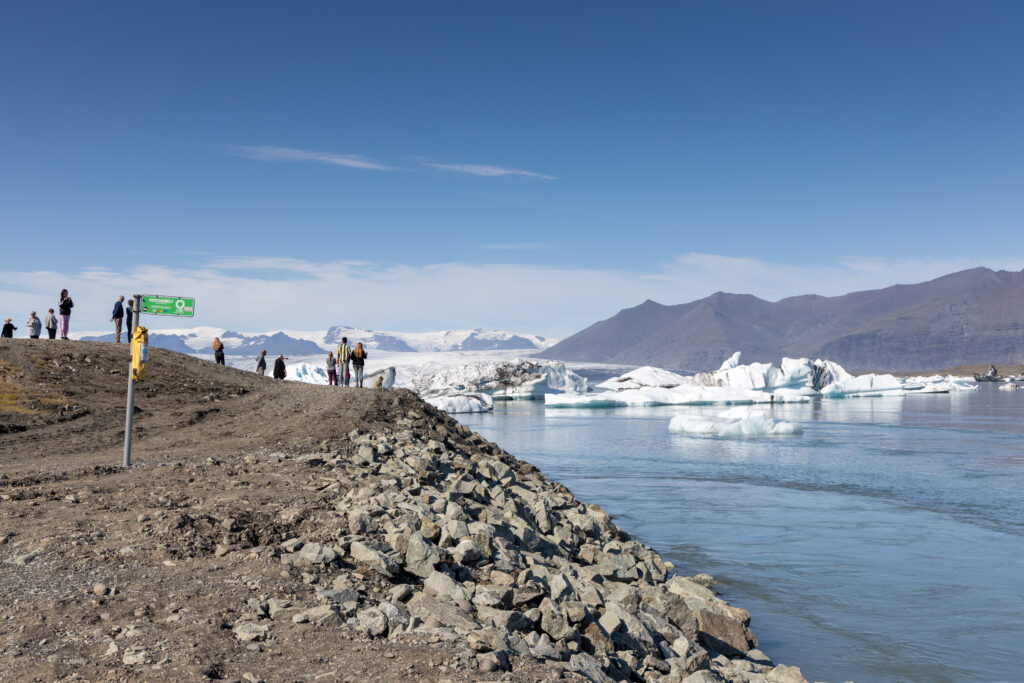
[589, 667]
[431, 609]
[443, 586]
[364, 555]
[422, 556]
[724, 635]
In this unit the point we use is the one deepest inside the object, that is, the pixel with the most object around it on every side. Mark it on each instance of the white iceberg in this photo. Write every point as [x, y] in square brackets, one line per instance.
[735, 422]
[1012, 386]
[462, 403]
[683, 395]
[646, 376]
[502, 380]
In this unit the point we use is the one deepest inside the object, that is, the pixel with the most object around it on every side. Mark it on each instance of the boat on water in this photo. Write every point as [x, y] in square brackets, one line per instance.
[987, 378]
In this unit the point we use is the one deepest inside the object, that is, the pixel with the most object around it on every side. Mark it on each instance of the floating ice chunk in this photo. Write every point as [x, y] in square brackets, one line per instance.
[462, 403]
[1012, 386]
[684, 395]
[646, 376]
[939, 384]
[864, 385]
[735, 422]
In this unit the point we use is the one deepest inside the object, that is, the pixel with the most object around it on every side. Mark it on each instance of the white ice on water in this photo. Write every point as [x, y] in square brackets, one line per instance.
[1011, 386]
[462, 403]
[736, 422]
[794, 379]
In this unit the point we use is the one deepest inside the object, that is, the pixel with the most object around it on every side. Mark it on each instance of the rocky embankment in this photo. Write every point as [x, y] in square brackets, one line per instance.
[276, 531]
[481, 549]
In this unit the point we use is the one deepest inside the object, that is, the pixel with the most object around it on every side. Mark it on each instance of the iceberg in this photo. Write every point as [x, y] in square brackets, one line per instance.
[462, 403]
[1012, 386]
[646, 376]
[683, 395]
[502, 380]
[792, 380]
[735, 422]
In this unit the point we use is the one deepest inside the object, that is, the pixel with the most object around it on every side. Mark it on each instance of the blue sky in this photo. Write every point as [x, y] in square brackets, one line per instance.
[516, 165]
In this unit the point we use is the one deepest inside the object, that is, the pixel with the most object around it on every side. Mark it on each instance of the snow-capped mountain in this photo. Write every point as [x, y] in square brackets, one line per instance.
[449, 340]
[308, 343]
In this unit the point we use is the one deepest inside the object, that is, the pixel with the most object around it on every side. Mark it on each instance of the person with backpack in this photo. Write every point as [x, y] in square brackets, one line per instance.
[332, 372]
[51, 324]
[279, 370]
[35, 326]
[358, 360]
[218, 351]
[8, 330]
[344, 356]
[65, 305]
[261, 363]
[117, 317]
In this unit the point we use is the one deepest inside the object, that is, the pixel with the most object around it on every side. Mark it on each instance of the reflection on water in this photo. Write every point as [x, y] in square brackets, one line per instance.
[885, 544]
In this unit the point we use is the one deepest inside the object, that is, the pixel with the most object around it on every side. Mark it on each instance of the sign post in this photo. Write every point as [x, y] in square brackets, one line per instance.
[154, 305]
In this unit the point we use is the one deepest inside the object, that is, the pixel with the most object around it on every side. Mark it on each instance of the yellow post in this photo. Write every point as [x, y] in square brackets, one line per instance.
[140, 353]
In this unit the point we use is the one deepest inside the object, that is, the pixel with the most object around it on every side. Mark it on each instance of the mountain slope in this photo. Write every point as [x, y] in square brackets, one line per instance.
[974, 316]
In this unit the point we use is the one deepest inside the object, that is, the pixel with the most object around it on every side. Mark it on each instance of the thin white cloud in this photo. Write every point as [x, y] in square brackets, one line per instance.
[272, 153]
[516, 246]
[486, 170]
[548, 300]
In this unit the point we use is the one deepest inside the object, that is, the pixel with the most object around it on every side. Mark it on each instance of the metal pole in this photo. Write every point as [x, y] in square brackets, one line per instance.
[130, 411]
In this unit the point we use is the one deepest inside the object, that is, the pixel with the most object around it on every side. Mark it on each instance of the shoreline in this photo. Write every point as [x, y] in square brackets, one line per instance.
[376, 527]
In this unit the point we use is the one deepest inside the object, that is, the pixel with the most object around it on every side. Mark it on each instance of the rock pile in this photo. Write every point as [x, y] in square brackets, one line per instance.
[469, 545]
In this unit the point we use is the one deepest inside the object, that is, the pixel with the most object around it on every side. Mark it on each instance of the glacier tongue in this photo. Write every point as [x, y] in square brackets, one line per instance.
[503, 380]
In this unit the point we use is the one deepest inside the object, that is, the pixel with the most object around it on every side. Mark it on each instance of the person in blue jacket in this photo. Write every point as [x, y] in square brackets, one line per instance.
[117, 318]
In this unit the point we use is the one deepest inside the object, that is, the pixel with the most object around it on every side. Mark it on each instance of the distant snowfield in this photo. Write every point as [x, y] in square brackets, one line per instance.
[305, 342]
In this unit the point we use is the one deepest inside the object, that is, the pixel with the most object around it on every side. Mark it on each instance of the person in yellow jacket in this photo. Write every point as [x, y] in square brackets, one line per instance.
[344, 357]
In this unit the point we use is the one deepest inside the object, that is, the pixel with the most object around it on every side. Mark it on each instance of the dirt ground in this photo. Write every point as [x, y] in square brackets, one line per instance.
[140, 574]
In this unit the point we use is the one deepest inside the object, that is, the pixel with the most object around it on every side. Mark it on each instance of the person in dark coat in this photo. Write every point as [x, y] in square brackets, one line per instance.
[358, 361]
[261, 362]
[117, 317]
[65, 305]
[9, 328]
[129, 313]
[218, 351]
[279, 370]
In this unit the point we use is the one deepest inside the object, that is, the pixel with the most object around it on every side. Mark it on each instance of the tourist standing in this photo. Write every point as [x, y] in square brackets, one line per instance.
[218, 351]
[358, 360]
[51, 324]
[117, 317]
[65, 305]
[344, 355]
[279, 370]
[261, 363]
[8, 330]
[332, 372]
[35, 326]
[129, 313]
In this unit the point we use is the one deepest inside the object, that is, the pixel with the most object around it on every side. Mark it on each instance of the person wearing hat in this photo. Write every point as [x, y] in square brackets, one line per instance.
[35, 326]
[9, 328]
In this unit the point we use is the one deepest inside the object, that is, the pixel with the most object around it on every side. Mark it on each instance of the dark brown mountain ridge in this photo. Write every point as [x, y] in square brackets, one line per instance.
[971, 317]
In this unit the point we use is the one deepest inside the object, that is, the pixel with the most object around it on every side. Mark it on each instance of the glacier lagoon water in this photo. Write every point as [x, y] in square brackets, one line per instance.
[884, 544]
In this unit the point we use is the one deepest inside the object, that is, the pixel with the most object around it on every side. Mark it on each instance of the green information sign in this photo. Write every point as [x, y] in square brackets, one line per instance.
[168, 305]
